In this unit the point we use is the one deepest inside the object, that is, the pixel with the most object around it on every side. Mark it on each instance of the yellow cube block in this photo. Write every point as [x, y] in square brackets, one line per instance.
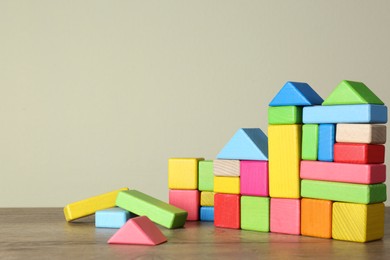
[207, 198]
[183, 173]
[229, 185]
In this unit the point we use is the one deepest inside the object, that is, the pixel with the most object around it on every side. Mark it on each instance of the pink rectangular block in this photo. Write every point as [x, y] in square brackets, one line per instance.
[343, 172]
[254, 178]
[187, 200]
[285, 216]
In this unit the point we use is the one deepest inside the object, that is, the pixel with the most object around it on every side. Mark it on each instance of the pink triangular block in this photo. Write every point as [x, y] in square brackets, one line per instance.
[138, 231]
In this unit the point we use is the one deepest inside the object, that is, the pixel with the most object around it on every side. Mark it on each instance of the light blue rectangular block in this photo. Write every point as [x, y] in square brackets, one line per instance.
[207, 214]
[326, 140]
[366, 113]
[112, 218]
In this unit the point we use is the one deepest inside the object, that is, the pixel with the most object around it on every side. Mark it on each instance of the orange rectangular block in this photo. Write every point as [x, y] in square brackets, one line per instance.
[316, 218]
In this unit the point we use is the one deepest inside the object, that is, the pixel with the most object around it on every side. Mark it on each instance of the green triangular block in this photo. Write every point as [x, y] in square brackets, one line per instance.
[351, 92]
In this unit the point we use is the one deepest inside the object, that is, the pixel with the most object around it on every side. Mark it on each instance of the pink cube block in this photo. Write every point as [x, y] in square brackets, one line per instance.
[285, 216]
[187, 200]
[254, 178]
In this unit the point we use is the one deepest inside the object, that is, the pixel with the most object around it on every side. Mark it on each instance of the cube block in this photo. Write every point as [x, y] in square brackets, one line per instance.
[255, 213]
[227, 211]
[285, 216]
[207, 214]
[206, 198]
[254, 178]
[183, 173]
[187, 200]
[316, 218]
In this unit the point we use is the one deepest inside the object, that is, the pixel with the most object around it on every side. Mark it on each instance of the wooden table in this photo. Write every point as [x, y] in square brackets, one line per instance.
[43, 233]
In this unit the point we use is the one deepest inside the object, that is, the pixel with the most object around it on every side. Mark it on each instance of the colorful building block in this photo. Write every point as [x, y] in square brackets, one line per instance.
[358, 222]
[227, 168]
[158, 211]
[138, 231]
[309, 142]
[187, 200]
[207, 214]
[284, 158]
[246, 144]
[345, 192]
[89, 206]
[359, 153]
[230, 185]
[326, 140]
[284, 115]
[296, 94]
[206, 175]
[361, 133]
[207, 198]
[316, 218]
[227, 211]
[254, 178]
[255, 213]
[112, 217]
[285, 216]
[183, 173]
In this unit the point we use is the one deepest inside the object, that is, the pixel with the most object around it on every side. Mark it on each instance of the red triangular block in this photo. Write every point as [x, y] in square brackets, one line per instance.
[138, 231]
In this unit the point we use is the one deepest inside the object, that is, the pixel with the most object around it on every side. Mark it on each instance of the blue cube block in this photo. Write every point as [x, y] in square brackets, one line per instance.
[326, 140]
[207, 214]
[112, 218]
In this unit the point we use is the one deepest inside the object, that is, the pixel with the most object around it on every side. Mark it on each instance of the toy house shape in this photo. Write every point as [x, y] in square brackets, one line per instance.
[296, 94]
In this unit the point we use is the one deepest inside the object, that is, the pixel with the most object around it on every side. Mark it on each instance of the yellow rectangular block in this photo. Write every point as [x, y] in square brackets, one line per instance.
[183, 173]
[284, 153]
[89, 206]
[229, 185]
[207, 198]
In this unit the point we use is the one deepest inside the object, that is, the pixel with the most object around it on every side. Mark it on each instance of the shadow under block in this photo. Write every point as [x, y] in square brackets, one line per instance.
[183, 173]
[230, 185]
[345, 192]
[206, 176]
[207, 214]
[255, 213]
[227, 168]
[254, 178]
[207, 198]
[89, 206]
[359, 153]
[361, 133]
[345, 114]
[158, 211]
[296, 94]
[358, 222]
[284, 115]
[284, 158]
[227, 211]
[316, 218]
[112, 218]
[309, 142]
[187, 200]
[285, 216]
[326, 140]
[246, 144]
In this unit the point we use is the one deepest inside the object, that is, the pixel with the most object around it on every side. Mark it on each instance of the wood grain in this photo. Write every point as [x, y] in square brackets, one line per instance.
[361, 133]
[227, 168]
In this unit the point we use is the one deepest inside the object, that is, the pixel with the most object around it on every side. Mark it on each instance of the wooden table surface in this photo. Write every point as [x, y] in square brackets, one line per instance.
[43, 233]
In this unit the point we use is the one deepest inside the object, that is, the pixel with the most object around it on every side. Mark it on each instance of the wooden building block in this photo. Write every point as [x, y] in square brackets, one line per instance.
[309, 142]
[284, 115]
[316, 218]
[296, 94]
[284, 158]
[158, 211]
[361, 133]
[187, 200]
[345, 192]
[89, 206]
[227, 211]
[206, 176]
[246, 144]
[254, 178]
[373, 114]
[255, 213]
[359, 153]
[358, 222]
[183, 173]
[285, 216]
[207, 214]
[343, 172]
[227, 168]
[138, 231]
[230, 185]
[326, 140]
[112, 217]
[207, 198]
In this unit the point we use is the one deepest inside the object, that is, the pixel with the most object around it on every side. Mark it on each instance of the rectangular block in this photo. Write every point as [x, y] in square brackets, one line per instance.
[285, 216]
[309, 142]
[361, 133]
[229, 185]
[255, 213]
[284, 115]
[359, 153]
[284, 144]
[89, 206]
[345, 192]
[158, 211]
[183, 173]
[375, 114]
[326, 140]
[343, 172]
[112, 217]
[254, 178]
[206, 175]
[187, 200]
[227, 168]
[227, 211]
[207, 214]
[316, 218]
[207, 198]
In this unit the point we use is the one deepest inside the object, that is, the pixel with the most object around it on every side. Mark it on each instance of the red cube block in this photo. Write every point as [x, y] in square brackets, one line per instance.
[187, 200]
[227, 210]
[359, 153]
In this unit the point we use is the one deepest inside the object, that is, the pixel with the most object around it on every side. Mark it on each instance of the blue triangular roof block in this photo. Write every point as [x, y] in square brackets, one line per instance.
[296, 94]
[246, 144]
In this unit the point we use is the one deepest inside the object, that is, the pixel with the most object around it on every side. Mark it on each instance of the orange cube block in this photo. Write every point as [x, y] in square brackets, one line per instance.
[316, 218]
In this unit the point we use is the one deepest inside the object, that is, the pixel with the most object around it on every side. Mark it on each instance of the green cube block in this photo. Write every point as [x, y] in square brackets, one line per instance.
[284, 115]
[255, 213]
[205, 176]
[309, 142]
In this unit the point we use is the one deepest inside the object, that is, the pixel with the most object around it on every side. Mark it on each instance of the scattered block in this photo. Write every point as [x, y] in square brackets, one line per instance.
[284, 158]
[316, 218]
[138, 231]
[284, 115]
[227, 168]
[227, 211]
[187, 200]
[358, 222]
[345, 192]
[207, 214]
[361, 133]
[112, 217]
[207, 198]
[285, 216]
[183, 173]
[359, 153]
[158, 211]
[206, 176]
[89, 206]
[296, 94]
[230, 185]
[310, 142]
[246, 144]
[254, 178]
[326, 140]
[255, 213]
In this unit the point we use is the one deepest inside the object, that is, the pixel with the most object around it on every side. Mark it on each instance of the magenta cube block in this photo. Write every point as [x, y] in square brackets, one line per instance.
[254, 178]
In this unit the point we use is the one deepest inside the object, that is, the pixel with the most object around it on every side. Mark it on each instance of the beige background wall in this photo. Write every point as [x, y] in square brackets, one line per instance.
[97, 95]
